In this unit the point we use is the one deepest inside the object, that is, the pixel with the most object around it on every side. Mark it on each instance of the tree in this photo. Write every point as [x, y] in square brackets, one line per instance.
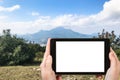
[114, 40]
[17, 51]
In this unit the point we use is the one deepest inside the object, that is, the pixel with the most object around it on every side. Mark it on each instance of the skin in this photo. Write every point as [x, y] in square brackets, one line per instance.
[113, 72]
[46, 66]
[48, 74]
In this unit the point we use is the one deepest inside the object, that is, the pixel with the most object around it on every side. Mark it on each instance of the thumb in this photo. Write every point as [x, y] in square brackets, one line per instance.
[49, 63]
[112, 66]
[113, 61]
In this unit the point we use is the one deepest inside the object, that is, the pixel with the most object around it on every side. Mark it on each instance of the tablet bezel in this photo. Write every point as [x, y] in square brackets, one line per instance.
[106, 58]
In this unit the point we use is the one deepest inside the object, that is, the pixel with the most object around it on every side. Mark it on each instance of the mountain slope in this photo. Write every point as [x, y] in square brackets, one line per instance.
[59, 32]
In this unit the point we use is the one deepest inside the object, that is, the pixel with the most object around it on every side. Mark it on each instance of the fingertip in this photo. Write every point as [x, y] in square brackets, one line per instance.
[49, 39]
[59, 77]
[48, 44]
[110, 48]
[47, 50]
[99, 76]
[111, 55]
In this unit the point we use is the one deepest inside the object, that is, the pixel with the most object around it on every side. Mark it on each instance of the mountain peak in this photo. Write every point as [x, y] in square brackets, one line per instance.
[59, 32]
[58, 28]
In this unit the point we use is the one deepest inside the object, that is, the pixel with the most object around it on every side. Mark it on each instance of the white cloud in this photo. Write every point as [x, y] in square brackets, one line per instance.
[3, 17]
[35, 14]
[108, 18]
[111, 10]
[9, 9]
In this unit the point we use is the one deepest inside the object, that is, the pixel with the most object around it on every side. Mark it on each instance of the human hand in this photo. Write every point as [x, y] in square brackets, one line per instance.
[113, 72]
[46, 66]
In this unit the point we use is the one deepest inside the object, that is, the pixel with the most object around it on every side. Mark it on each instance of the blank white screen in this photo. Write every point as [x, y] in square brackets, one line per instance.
[83, 56]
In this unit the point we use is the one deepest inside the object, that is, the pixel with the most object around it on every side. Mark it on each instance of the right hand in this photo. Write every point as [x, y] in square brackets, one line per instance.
[113, 72]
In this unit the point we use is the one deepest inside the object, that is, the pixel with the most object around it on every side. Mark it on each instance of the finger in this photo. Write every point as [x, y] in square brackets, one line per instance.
[99, 76]
[107, 76]
[58, 78]
[47, 51]
[45, 57]
[113, 61]
[49, 63]
[111, 50]
[42, 65]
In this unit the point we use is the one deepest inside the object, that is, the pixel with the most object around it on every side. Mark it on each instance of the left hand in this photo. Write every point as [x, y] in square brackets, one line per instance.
[46, 66]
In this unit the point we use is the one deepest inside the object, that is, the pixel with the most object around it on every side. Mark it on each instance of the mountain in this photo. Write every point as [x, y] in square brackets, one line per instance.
[59, 32]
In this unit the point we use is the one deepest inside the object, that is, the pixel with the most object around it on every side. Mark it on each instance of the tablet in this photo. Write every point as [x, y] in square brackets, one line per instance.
[80, 56]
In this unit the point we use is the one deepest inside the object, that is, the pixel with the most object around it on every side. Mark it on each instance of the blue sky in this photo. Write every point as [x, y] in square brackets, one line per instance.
[58, 6]
[53, 7]
[21, 16]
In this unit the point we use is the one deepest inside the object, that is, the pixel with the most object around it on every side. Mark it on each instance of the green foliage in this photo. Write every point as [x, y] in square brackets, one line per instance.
[38, 56]
[118, 53]
[20, 54]
[114, 40]
[16, 51]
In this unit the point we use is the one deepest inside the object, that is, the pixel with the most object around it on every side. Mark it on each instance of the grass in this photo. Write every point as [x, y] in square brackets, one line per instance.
[19, 73]
[32, 73]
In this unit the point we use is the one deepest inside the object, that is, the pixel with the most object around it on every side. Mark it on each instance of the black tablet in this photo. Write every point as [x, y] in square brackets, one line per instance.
[80, 56]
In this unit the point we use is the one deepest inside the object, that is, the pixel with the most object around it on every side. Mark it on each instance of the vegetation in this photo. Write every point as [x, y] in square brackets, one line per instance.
[17, 51]
[114, 40]
[33, 73]
[19, 73]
